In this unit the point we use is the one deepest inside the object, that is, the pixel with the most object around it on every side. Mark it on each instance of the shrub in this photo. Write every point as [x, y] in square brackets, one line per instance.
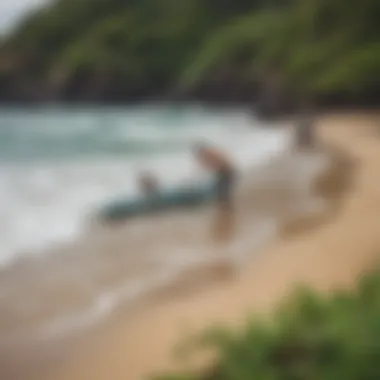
[310, 337]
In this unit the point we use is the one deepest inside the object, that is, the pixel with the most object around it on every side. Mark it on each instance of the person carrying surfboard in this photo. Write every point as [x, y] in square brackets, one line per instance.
[218, 163]
[221, 166]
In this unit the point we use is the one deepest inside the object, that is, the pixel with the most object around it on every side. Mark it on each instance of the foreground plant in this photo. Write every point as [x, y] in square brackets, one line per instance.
[309, 337]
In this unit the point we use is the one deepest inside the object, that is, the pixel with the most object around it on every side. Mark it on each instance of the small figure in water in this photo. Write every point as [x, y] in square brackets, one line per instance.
[148, 184]
[218, 163]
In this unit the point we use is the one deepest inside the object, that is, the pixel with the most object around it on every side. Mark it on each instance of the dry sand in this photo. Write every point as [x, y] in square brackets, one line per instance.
[326, 253]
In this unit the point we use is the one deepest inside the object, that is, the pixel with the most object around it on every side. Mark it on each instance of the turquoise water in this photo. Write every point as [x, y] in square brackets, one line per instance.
[60, 272]
[57, 166]
[60, 134]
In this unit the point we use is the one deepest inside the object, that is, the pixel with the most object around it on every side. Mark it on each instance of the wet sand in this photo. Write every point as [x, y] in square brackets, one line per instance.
[327, 251]
[52, 303]
[129, 344]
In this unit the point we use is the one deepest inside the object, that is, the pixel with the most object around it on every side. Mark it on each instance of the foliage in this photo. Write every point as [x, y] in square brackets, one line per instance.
[310, 337]
[314, 46]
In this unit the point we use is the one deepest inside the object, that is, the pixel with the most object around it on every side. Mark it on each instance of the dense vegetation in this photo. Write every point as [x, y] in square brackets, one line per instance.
[216, 49]
[310, 338]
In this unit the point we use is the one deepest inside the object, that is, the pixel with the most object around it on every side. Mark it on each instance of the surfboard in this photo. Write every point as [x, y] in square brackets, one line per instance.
[164, 201]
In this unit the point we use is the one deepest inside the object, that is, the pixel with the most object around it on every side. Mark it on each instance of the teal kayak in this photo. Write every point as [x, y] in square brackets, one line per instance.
[164, 201]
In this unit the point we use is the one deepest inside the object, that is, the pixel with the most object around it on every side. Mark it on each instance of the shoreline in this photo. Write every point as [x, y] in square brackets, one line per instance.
[328, 254]
[97, 258]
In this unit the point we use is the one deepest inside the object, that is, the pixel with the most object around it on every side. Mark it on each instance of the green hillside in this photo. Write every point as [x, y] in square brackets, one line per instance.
[129, 49]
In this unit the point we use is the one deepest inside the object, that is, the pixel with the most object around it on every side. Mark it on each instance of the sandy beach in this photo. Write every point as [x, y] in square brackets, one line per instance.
[328, 252]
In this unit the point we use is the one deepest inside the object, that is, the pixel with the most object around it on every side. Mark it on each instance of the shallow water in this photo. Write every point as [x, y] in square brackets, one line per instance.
[57, 166]
[61, 275]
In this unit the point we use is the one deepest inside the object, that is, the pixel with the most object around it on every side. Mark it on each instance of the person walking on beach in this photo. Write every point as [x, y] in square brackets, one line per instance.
[305, 133]
[221, 166]
[305, 128]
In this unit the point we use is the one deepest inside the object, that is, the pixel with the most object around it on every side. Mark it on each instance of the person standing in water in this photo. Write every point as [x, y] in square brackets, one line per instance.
[221, 166]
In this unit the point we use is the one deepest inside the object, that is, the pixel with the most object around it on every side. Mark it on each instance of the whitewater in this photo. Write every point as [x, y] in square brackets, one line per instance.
[61, 272]
[58, 166]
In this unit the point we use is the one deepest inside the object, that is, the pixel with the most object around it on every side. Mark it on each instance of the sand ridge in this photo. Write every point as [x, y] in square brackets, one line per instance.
[331, 254]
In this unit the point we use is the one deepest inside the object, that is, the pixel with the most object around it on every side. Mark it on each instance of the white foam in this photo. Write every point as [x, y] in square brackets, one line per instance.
[48, 203]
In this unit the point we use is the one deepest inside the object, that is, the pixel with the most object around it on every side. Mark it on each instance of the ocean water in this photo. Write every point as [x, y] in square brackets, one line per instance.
[57, 166]
[60, 273]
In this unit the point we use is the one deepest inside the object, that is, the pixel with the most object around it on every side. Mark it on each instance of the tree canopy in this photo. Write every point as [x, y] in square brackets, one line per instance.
[122, 48]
